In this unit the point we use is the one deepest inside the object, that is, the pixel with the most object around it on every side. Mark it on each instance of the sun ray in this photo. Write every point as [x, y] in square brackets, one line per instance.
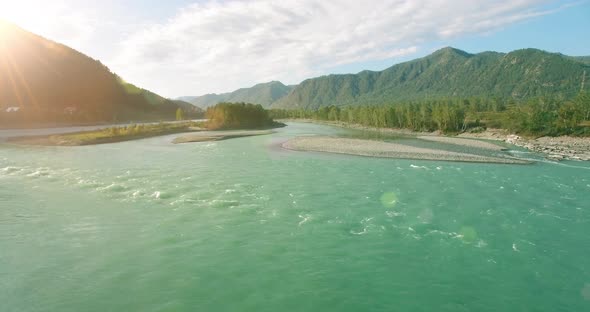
[18, 81]
[22, 81]
[14, 86]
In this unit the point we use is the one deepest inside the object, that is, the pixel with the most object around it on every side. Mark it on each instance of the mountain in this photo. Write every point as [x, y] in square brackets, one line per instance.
[206, 100]
[447, 72]
[264, 94]
[581, 59]
[158, 101]
[42, 81]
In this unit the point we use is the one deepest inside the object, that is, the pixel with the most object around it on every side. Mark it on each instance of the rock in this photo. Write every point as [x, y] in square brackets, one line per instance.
[512, 139]
[555, 157]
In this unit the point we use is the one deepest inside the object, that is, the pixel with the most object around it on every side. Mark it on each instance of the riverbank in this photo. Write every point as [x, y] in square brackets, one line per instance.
[553, 148]
[372, 148]
[204, 136]
[463, 142]
[101, 124]
[558, 148]
[108, 135]
[194, 132]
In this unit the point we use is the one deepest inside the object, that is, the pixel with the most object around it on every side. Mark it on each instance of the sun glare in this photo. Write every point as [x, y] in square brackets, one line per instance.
[3, 24]
[7, 10]
[15, 13]
[6, 28]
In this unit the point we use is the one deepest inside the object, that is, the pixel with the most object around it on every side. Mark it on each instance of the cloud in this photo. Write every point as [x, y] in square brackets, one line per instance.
[220, 46]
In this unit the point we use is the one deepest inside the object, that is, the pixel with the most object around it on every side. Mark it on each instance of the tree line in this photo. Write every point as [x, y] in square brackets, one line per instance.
[535, 117]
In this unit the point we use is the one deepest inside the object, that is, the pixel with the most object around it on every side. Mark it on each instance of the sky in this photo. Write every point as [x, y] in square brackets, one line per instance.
[181, 47]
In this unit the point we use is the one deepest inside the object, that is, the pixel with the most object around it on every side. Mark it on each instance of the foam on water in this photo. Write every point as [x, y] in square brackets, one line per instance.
[156, 194]
[10, 170]
[304, 219]
[393, 214]
[363, 232]
[515, 248]
[113, 187]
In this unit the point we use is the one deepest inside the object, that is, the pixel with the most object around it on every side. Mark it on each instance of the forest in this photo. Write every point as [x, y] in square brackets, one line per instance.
[542, 116]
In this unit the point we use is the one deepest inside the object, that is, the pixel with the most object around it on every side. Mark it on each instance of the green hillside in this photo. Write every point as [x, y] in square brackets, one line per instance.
[446, 73]
[206, 100]
[264, 94]
[43, 82]
[582, 59]
[160, 102]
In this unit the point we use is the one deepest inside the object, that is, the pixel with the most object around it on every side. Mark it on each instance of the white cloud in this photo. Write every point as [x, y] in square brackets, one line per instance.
[218, 46]
[221, 46]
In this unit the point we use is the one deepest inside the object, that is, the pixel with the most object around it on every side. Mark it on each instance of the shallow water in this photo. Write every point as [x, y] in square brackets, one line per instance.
[242, 225]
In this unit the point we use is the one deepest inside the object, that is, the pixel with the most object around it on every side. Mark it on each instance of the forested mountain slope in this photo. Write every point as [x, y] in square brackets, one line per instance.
[448, 72]
[43, 81]
[264, 94]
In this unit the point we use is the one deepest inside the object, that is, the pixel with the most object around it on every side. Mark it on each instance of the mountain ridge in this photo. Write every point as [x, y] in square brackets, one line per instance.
[43, 81]
[483, 74]
[263, 93]
[447, 72]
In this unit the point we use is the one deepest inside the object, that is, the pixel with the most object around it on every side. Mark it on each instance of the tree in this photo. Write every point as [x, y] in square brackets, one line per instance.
[538, 116]
[333, 113]
[179, 114]
[568, 117]
[583, 103]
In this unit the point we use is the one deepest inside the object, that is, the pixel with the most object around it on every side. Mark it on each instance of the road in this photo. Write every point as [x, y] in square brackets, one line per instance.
[9, 133]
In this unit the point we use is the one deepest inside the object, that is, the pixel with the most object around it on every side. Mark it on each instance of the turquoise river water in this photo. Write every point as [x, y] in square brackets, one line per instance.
[243, 225]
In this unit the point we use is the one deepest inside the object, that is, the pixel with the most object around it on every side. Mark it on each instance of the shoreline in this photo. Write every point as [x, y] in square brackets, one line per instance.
[553, 148]
[207, 136]
[193, 134]
[380, 149]
[60, 125]
[61, 140]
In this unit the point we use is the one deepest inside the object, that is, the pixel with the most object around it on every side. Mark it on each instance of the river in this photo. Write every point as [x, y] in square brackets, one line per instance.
[243, 225]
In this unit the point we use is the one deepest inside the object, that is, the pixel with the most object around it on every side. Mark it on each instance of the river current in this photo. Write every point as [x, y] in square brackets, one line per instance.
[244, 225]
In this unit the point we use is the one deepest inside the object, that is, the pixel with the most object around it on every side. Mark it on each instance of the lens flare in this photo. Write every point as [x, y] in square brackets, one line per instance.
[389, 199]
[469, 234]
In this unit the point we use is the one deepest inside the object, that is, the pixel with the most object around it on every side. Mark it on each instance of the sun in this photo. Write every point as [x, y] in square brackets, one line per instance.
[7, 17]
[4, 27]
[8, 11]
[18, 13]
